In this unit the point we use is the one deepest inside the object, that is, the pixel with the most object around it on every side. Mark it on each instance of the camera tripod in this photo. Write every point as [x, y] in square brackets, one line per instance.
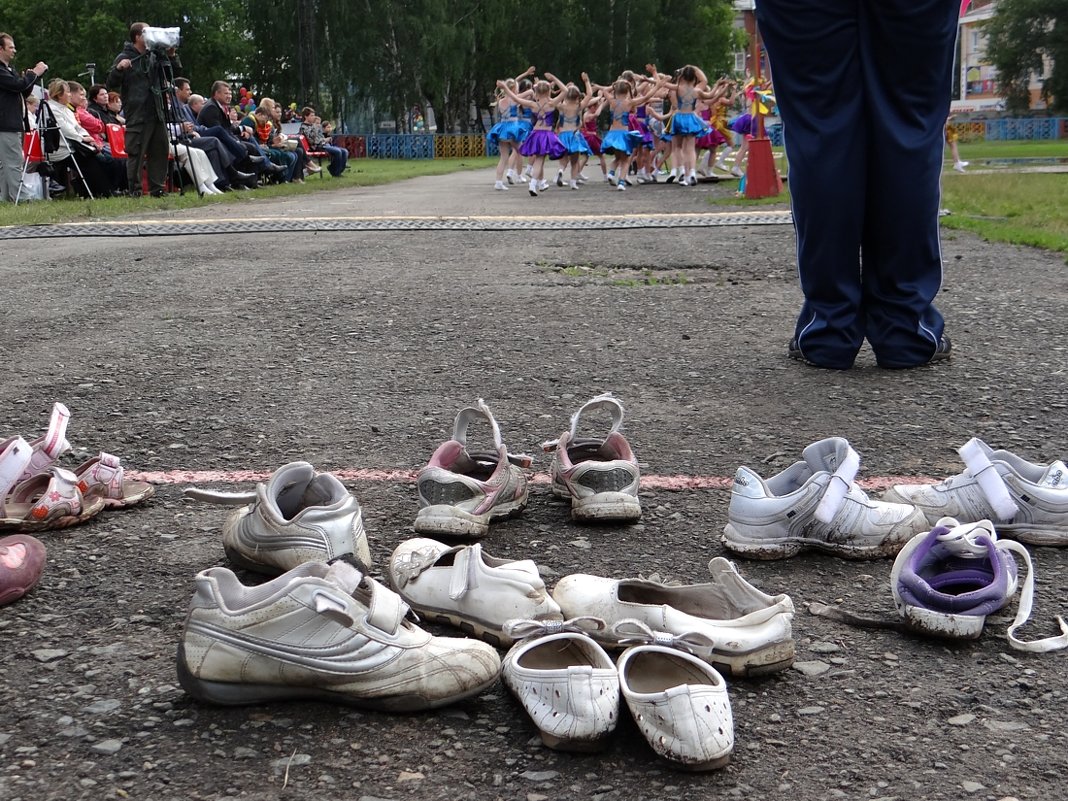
[167, 98]
[45, 139]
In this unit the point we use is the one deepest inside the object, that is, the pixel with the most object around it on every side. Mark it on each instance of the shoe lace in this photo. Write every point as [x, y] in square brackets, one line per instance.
[975, 541]
[634, 632]
[520, 629]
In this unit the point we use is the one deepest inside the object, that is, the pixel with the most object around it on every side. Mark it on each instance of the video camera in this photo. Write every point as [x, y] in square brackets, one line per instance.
[161, 39]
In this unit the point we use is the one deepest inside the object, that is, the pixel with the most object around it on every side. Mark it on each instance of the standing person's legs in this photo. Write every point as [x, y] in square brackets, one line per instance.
[10, 165]
[814, 51]
[135, 153]
[901, 252]
[157, 142]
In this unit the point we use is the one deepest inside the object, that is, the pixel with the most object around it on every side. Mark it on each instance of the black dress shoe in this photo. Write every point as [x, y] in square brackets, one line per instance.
[237, 175]
[256, 159]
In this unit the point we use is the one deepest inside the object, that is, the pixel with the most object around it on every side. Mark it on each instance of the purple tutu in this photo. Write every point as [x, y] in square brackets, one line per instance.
[744, 124]
[542, 143]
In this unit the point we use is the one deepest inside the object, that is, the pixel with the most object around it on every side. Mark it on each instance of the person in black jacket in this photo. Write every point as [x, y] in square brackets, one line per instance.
[136, 74]
[13, 89]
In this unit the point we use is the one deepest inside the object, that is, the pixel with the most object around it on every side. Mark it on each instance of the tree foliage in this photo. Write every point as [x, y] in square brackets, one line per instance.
[1020, 35]
[383, 57]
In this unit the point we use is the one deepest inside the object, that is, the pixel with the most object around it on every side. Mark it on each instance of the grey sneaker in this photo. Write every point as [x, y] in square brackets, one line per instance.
[815, 504]
[298, 516]
[1027, 501]
[326, 633]
[461, 491]
[600, 474]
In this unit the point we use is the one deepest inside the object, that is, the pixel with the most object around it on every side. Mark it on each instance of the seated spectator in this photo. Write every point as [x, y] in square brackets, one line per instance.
[217, 114]
[311, 128]
[259, 122]
[77, 152]
[115, 107]
[98, 103]
[31, 111]
[115, 168]
[304, 164]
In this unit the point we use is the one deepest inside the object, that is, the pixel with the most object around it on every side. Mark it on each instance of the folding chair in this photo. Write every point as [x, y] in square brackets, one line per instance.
[318, 155]
[116, 136]
[32, 153]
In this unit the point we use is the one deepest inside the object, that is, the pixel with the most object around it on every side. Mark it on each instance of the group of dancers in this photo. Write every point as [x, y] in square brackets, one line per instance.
[655, 120]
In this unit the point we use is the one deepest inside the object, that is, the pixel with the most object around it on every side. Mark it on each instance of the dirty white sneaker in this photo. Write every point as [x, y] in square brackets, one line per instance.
[750, 631]
[460, 492]
[326, 633]
[680, 705]
[600, 475]
[299, 515]
[947, 581]
[467, 588]
[815, 504]
[500, 186]
[1027, 501]
[566, 683]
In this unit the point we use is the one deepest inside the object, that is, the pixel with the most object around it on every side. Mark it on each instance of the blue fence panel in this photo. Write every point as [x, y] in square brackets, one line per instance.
[1023, 128]
[774, 133]
[400, 146]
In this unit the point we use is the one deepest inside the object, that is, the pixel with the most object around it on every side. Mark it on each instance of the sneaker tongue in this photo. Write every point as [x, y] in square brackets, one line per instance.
[1055, 476]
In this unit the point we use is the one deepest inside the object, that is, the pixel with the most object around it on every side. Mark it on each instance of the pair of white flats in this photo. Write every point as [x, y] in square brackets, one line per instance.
[571, 689]
[463, 586]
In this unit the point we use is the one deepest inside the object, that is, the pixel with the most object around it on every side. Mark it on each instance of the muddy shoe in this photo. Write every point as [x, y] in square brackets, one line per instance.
[326, 633]
[465, 587]
[462, 491]
[298, 516]
[945, 583]
[1027, 501]
[814, 504]
[22, 561]
[751, 631]
[600, 474]
[680, 705]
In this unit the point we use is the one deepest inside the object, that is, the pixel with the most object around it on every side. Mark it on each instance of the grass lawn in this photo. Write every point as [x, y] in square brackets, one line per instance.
[361, 172]
[1017, 208]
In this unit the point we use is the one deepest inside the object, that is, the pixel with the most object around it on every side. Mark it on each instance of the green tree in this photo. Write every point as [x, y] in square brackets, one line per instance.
[1020, 36]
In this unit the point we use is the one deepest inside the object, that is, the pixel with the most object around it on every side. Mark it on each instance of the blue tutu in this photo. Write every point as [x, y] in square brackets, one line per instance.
[621, 142]
[506, 131]
[542, 143]
[688, 124]
[575, 142]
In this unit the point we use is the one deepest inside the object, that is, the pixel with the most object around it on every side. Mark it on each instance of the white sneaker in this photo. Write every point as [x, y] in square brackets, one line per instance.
[747, 632]
[582, 178]
[621, 186]
[326, 633]
[599, 475]
[499, 186]
[510, 176]
[1027, 501]
[574, 185]
[560, 178]
[815, 504]
[533, 188]
[736, 172]
[566, 683]
[543, 185]
[680, 705]
[461, 492]
[960, 165]
[947, 581]
[465, 587]
[610, 177]
[672, 176]
[298, 516]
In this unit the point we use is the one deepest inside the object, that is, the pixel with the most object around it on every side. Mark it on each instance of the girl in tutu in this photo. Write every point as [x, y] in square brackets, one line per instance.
[689, 88]
[620, 141]
[526, 119]
[571, 103]
[506, 134]
[592, 136]
[542, 141]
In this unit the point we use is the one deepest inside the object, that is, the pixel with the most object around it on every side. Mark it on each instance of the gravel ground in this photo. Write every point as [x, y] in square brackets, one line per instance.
[355, 350]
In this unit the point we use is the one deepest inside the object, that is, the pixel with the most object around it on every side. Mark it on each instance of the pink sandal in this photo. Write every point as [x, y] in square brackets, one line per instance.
[45, 501]
[102, 477]
[48, 448]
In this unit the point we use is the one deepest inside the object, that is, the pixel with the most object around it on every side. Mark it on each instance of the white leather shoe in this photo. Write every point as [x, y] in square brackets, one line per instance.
[751, 630]
[680, 704]
[566, 683]
[466, 587]
[323, 632]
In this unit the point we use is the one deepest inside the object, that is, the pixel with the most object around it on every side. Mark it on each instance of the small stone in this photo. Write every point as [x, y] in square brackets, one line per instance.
[971, 787]
[824, 648]
[282, 765]
[812, 668]
[241, 752]
[103, 706]
[408, 776]
[810, 710]
[48, 654]
[961, 720]
[539, 775]
[106, 747]
[536, 797]
[581, 544]
[1005, 725]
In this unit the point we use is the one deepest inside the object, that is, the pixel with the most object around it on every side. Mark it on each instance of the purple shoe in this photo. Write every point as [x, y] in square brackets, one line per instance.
[22, 560]
[947, 581]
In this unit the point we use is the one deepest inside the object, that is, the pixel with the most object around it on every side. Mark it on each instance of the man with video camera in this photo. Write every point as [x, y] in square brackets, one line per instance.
[137, 75]
[13, 88]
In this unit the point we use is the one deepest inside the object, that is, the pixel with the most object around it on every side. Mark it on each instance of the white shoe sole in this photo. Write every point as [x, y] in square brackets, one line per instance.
[785, 547]
[453, 522]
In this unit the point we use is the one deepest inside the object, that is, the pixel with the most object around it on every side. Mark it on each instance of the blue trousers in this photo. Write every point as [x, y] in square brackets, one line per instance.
[863, 88]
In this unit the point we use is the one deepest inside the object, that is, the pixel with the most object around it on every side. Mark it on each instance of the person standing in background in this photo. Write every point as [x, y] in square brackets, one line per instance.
[14, 88]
